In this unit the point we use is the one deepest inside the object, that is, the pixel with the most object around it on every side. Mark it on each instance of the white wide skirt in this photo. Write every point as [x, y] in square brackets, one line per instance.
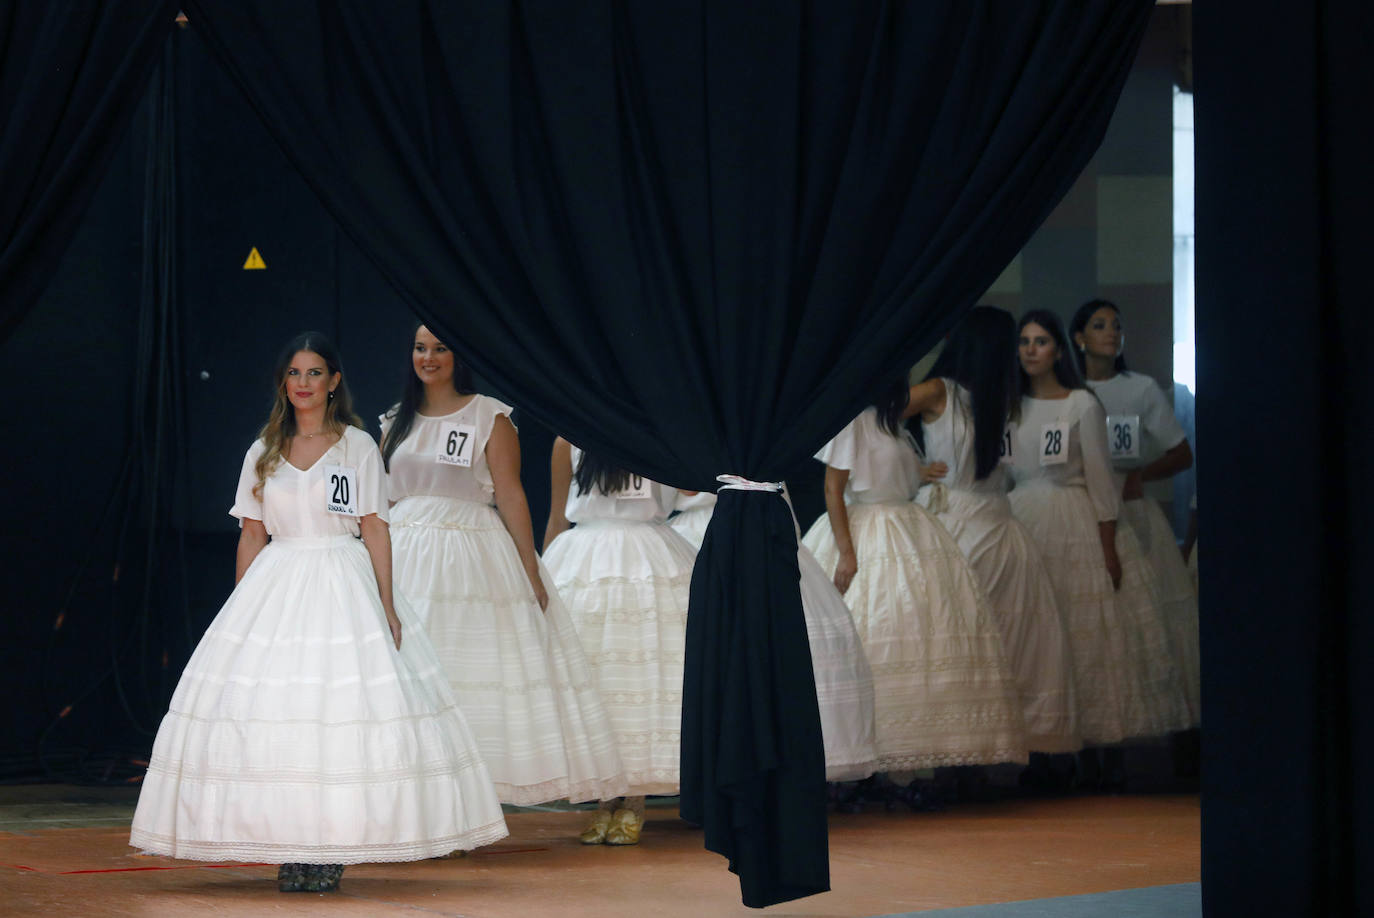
[945, 692]
[1009, 568]
[1122, 657]
[1177, 594]
[626, 586]
[518, 672]
[298, 733]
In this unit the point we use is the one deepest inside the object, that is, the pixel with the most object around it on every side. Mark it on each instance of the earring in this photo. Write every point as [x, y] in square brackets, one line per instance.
[331, 395]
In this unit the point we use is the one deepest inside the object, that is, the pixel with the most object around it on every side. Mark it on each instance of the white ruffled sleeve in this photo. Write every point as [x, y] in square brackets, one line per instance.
[1158, 418]
[488, 410]
[1097, 459]
[246, 505]
[372, 492]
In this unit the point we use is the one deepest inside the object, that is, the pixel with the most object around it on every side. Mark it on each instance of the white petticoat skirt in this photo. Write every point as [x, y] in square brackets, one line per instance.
[844, 681]
[945, 692]
[298, 733]
[1009, 568]
[1177, 594]
[518, 672]
[1122, 657]
[626, 587]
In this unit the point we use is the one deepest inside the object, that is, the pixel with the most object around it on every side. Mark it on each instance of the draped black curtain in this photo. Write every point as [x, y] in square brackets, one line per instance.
[697, 237]
[1284, 327]
[71, 75]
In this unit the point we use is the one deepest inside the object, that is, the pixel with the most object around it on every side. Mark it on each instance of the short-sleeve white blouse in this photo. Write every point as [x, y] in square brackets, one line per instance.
[1087, 462]
[584, 508]
[415, 466]
[294, 501]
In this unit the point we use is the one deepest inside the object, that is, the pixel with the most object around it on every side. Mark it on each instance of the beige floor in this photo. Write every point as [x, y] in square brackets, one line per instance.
[63, 851]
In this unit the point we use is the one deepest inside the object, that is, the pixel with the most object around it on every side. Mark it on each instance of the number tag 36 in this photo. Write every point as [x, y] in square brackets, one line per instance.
[341, 489]
[456, 444]
[1123, 435]
[1054, 443]
[637, 488]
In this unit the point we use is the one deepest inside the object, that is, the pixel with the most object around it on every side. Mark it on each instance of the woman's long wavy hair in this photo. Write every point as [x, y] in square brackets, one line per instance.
[1065, 370]
[891, 403]
[980, 356]
[594, 471]
[402, 414]
[1080, 322]
[281, 422]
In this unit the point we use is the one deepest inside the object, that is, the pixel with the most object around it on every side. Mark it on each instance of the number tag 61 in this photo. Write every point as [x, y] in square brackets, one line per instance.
[341, 489]
[456, 444]
[1054, 443]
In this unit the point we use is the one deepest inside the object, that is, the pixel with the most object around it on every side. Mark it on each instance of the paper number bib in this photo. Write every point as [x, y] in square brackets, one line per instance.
[1006, 449]
[1054, 443]
[456, 444]
[341, 489]
[1123, 435]
[637, 488]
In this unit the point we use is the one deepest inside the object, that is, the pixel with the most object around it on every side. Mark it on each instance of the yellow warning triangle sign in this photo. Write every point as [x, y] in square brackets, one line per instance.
[254, 262]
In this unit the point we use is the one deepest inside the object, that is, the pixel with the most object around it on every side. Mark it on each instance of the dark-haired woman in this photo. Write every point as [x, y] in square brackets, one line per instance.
[1067, 498]
[964, 404]
[304, 729]
[1147, 444]
[945, 691]
[844, 681]
[470, 570]
[625, 576]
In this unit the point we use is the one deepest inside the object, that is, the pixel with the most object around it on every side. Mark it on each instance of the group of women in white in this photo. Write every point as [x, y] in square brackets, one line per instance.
[396, 660]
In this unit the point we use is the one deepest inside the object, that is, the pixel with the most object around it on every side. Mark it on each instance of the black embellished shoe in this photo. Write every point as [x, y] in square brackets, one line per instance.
[291, 877]
[322, 878]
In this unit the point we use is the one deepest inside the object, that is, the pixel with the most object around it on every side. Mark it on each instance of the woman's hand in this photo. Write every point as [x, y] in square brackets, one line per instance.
[1134, 488]
[934, 472]
[541, 595]
[394, 624]
[845, 571]
[1114, 569]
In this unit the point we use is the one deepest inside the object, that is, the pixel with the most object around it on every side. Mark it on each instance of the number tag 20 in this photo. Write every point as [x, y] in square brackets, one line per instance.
[1123, 435]
[1054, 443]
[456, 444]
[341, 489]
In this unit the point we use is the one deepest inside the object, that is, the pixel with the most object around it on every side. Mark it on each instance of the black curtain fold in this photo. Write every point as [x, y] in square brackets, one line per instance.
[71, 75]
[697, 237]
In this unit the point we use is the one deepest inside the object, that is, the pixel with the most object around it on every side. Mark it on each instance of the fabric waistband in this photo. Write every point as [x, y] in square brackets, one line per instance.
[334, 541]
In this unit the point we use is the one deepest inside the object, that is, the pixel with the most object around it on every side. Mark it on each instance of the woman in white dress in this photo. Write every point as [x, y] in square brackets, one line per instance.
[304, 729]
[964, 405]
[1147, 444]
[945, 691]
[470, 570]
[625, 576]
[844, 682]
[1065, 494]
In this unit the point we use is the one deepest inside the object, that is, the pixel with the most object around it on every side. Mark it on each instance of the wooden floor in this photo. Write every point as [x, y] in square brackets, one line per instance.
[64, 851]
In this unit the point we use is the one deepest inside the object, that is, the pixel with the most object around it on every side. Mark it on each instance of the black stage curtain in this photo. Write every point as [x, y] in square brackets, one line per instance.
[1284, 329]
[697, 237]
[71, 75]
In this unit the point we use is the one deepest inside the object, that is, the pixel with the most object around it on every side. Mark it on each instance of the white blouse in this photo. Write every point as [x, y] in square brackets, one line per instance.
[950, 439]
[882, 468]
[653, 507]
[427, 463]
[295, 502]
[1137, 394]
[1086, 460]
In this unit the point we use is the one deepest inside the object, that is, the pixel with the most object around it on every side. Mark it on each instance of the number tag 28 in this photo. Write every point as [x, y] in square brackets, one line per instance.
[456, 444]
[341, 489]
[1054, 443]
[1123, 435]
[637, 488]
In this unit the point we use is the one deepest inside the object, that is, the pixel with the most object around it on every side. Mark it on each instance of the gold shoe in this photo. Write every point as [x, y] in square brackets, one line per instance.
[595, 833]
[625, 828]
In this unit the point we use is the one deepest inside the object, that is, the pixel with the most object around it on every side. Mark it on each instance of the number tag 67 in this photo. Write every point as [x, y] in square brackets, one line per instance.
[1054, 443]
[341, 489]
[456, 444]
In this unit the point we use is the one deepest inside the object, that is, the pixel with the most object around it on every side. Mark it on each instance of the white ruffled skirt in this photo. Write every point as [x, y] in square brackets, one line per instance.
[298, 733]
[1122, 657]
[1009, 568]
[518, 672]
[945, 692]
[844, 681]
[1177, 594]
[626, 586]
